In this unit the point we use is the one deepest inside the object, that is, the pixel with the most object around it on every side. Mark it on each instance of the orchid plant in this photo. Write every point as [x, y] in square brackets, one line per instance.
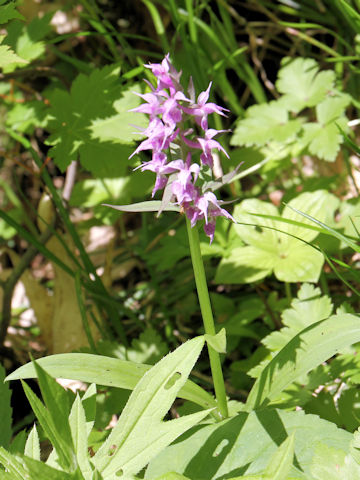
[177, 133]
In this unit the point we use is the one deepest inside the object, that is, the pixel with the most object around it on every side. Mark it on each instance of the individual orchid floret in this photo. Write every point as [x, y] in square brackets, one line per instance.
[201, 109]
[159, 136]
[208, 144]
[159, 166]
[183, 187]
[167, 76]
[209, 208]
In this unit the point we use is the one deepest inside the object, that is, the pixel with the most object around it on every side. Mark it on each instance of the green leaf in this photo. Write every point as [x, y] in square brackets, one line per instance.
[78, 125]
[264, 123]
[151, 206]
[302, 84]
[270, 250]
[355, 446]
[147, 405]
[230, 448]
[331, 463]
[319, 204]
[32, 447]
[308, 349]
[8, 56]
[27, 39]
[244, 265]
[309, 307]
[172, 476]
[349, 213]
[89, 405]
[323, 141]
[79, 434]
[93, 191]
[62, 448]
[148, 348]
[24, 117]
[40, 471]
[281, 462]
[8, 12]
[218, 341]
[104, 371]
[330, 109]
[329, 230]
[18, 442]
[57, 401]
[5, 411]
[12, 465]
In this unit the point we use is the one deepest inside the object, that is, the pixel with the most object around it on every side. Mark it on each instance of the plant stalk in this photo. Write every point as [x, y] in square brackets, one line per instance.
[208, 319]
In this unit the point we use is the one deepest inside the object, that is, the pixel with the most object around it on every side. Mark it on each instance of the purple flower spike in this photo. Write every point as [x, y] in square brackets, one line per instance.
[175, 121]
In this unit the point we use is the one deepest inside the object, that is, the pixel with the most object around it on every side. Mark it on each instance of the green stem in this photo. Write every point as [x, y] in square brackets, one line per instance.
[288, 292]
[208, 319]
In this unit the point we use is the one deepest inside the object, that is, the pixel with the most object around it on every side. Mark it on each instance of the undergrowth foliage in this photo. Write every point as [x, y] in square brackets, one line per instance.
[248, 118]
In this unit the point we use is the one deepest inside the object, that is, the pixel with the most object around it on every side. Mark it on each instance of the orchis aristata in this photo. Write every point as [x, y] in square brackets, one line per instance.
[169, 110]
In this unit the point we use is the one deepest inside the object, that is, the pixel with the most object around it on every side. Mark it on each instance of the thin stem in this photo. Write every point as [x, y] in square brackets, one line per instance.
[207, 316]
[288, 292]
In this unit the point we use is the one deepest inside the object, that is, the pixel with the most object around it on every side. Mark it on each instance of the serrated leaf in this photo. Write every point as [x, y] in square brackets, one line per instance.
[302, 84]
[79, 435]
[228, 448]
[323, 141]
[18, 442]
[24, 117]
[104, 371]
[330, 109]
[218, 341]
[57, 401]
[270, 250]
[32, 446]
[308, 349]
[78, 125]
[264, 123]
[8, 12]
[61, 446]
[148, 348]
[147, 405]
[5, 411]
[8, 56]
[27, 39]
[171, 248]
[309, 307]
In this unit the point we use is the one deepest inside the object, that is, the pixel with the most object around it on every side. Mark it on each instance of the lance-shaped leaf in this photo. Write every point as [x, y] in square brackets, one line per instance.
[140, 433]
[108, 371]
[151, 206]
[63, 449]
[32, 447]
[77, 421]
